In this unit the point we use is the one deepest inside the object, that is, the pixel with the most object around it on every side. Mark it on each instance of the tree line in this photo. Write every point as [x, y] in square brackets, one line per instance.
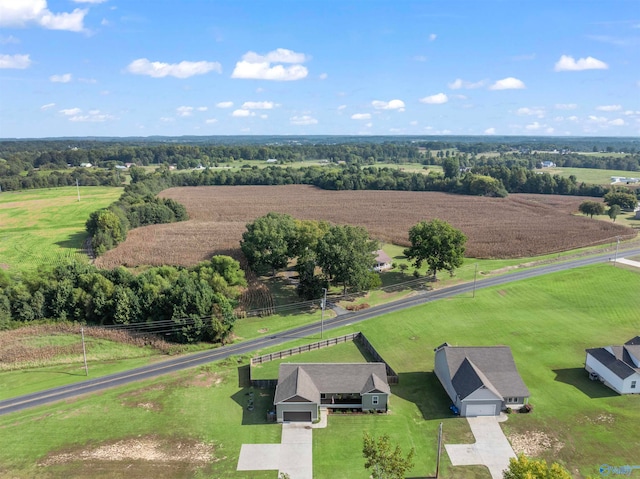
[190, 304]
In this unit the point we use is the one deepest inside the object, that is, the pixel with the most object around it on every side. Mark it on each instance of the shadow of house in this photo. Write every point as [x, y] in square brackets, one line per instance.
[424, 390]
[255, 404]
[579, 379]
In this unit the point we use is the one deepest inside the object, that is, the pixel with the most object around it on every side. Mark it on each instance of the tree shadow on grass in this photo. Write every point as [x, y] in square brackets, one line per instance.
[256, 404]
[425, 391]
[73, 241]
[579, 378]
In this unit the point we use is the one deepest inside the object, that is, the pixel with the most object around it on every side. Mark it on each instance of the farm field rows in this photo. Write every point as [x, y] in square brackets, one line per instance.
[46, 226]
[513, 227]
[547, 321]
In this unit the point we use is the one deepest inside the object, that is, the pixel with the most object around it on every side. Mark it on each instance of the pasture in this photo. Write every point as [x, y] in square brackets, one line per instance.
[592, 175]
[46, 227]
[514, 227]
[147, 428]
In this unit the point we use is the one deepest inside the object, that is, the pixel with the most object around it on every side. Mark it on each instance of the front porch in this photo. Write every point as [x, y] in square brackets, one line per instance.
[341, 401]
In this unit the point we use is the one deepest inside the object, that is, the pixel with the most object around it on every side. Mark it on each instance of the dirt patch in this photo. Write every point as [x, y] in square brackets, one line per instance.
[533, 443]
[205, 380]
[139, 449]
[502, 292]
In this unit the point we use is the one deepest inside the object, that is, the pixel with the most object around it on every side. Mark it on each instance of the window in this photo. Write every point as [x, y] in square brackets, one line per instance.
[374, 400]
[633, 384]
[512, 400]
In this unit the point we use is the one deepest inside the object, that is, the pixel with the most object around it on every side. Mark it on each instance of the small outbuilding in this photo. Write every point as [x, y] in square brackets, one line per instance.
[304, 387]
[481, 381]
[618, 367]
[383, 261]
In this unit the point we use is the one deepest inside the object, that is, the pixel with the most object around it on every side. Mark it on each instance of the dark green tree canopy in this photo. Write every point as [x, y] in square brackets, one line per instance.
[613, 212]
[346, 255]
[438, 244]
[268, 241]
[591, 208]
[625, 199]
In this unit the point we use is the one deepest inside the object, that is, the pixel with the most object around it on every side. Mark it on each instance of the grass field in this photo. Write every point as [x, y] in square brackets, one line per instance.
[592, 175]
[547, 322]
[47, 226]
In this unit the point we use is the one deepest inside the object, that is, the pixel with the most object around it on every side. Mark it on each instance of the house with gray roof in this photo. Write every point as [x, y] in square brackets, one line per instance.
[481, 381]
[616, 366]
[304, 387]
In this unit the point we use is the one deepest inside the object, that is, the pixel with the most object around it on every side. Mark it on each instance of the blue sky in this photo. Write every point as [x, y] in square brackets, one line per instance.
[237, 67]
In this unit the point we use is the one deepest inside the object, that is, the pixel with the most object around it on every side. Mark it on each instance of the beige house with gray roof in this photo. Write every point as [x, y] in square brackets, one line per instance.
[481, 381]
[304, 387]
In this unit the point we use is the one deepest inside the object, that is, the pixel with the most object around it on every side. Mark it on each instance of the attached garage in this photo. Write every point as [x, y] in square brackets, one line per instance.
[297, 416]
[481, 410]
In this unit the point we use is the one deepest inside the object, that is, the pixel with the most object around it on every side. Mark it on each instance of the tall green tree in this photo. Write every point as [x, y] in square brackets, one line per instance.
[525, 468]
[624, 199]
[613, 212]
[451, 167]
[346, 256]
[438, 244]
[385, 461]
[268, 241]
[591, 208]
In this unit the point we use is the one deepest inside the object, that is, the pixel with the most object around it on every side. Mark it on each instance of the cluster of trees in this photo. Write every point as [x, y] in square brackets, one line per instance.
[191, 304]
[137, 206]
[344, 254]
[54, 179]
[617, 200]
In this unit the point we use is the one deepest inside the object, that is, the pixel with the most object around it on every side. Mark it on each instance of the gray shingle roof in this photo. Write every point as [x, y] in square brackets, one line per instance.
[619, 360]
[308, 380]
[492, 367]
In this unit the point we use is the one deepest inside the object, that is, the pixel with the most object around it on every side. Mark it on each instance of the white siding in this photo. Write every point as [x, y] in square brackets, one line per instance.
[610, 379]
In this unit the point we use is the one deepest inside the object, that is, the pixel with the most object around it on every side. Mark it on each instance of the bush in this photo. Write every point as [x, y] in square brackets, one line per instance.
[508, 410]
[527, 408]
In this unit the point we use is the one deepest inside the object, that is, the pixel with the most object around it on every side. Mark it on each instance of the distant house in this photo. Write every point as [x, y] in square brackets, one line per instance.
[548, 164]
[624, 179]
[304, 387]
[86, 165]
[272, 160]
[481, 381]
[383, 261]
[121, 167]
[616, 366]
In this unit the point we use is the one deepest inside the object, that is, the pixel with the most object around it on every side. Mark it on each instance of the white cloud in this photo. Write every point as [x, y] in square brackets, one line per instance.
[264, 116]
[65, 78]
[18, 62]
[167, 119]
[303, 120]
[258, 67]
[71, 111]
[184, 110]
[432, 37]
[224, 104]
[368, 125]
[609, 107]
[323, 76]
[21, 13]
[388, 105]
[617, 122]
[90, 1]
[509, 83]
[258, 105]
[566, 106]
[93, 116]
[202, 108]
[361, 116]
[242, 113]
[534, 126]
[87, 80]
[568, 63]
[210, 121]
[490, 131]
[437, 99]
[459, 83]
[342, 107]
[47, 106]
[597, 119]
[572, 118]
[184, 69]
[535, 111]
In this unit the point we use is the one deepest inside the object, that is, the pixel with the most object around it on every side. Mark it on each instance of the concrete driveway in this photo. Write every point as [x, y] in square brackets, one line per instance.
[491, 448]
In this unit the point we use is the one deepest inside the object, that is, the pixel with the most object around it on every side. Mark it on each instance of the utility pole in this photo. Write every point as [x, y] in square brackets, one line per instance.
[475, 275]
[324, 305]
[84, 353]
[615, 258]
[78, 188]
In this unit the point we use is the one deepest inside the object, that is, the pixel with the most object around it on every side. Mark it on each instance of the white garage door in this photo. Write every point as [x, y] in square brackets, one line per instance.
[481, 410]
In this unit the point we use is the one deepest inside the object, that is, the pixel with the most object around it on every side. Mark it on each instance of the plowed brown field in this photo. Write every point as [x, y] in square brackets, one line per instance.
[517, 226]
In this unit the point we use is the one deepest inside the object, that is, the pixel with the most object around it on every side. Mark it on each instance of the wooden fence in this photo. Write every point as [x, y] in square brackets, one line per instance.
[392, 376]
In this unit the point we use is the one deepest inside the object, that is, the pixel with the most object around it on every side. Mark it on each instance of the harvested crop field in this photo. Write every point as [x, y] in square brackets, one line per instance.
[517, 226]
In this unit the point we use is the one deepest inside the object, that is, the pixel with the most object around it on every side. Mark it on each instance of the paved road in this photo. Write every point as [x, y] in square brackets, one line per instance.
[92, 385]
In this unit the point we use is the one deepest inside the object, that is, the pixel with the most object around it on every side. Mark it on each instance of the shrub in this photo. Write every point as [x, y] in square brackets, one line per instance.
[527, 408]
[508, 410]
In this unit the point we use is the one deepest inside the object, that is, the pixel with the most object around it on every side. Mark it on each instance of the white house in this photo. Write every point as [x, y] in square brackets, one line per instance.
[383, 261]
[616, 366]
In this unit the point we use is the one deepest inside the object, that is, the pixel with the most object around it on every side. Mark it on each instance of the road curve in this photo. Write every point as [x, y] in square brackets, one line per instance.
[146, 372]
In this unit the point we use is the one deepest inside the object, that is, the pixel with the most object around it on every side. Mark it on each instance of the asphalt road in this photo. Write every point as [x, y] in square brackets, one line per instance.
[92, 385]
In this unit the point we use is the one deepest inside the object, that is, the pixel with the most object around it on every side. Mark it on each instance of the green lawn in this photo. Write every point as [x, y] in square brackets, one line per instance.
[592, 175]
[547, 321]
[47, 226]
